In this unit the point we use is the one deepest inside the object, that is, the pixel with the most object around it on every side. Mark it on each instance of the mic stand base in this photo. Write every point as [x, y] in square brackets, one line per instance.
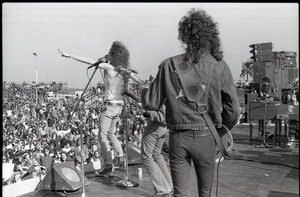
[126, 183]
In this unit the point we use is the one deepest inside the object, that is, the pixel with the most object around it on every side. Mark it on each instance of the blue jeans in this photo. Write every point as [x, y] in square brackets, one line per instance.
[107, 127]
[188, 146]
[153, 139]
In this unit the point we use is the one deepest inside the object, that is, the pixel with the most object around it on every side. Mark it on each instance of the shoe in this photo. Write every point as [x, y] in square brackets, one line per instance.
[106, 170]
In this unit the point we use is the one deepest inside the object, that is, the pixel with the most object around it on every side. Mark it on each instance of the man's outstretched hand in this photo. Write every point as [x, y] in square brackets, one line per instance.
[63, 54]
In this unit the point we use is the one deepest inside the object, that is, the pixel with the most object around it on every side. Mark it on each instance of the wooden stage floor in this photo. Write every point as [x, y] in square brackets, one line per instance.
[249, 172]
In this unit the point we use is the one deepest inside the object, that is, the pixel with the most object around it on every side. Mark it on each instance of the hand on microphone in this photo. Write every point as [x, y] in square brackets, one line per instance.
[100, 60]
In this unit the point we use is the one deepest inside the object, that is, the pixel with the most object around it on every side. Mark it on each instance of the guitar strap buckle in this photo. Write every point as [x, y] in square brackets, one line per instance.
[202, 108]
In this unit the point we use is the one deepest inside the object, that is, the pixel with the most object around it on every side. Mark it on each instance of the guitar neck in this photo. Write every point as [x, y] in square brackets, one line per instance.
[134, 97]
[137, 79]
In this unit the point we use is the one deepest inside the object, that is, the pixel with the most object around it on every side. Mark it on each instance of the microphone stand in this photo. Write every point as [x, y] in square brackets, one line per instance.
[126, 183]
[81, 128]
[126, 79]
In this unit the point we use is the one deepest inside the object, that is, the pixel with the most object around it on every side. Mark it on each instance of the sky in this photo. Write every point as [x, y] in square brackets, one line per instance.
[149, 30]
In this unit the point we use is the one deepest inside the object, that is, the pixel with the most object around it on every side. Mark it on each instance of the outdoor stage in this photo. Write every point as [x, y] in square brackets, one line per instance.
[250, 171]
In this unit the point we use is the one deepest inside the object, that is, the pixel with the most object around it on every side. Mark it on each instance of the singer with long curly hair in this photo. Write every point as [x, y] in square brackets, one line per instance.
[118, 56]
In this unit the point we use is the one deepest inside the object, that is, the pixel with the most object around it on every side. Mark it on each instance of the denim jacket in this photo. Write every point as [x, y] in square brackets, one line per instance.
[181, 114]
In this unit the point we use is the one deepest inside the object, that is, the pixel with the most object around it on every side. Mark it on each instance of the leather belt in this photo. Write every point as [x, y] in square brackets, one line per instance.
[192, 132]
[109, 103]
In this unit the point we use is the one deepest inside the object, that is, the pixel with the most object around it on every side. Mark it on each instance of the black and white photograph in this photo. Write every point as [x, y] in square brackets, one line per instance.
[150, 99]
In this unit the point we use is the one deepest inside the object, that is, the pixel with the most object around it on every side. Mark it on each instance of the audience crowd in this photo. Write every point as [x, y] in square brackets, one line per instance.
[38, 131]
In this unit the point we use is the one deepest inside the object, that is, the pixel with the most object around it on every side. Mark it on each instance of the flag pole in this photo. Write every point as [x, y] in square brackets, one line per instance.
[36, 78]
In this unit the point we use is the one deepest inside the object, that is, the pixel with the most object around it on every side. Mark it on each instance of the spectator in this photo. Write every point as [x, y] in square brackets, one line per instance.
[67, 146]
[96, 156]
[27, 161]
[64, 157]
[46, 160]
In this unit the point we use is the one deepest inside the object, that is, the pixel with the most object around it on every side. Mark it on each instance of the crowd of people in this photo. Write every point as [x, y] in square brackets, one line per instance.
[39, 133]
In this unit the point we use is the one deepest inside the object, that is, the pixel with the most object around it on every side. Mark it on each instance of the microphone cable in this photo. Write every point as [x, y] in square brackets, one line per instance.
[218, 166]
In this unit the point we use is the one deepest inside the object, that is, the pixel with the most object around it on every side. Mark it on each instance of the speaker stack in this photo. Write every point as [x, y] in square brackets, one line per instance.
[279, 67]
[262, 52]
[263, 66]
[286, 61]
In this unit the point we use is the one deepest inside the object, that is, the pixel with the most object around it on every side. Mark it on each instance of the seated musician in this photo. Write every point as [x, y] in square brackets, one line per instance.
[267, 90]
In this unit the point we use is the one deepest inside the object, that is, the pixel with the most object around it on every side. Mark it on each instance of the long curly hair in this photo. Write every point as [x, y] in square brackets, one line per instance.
[200, 34]
[118, 55]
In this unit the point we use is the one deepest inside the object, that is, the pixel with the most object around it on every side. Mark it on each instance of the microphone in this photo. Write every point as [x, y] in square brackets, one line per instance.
[100, 60]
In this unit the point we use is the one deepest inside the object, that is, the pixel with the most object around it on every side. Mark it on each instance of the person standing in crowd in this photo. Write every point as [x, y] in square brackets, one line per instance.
[153, 139]
[46, 159]
[211, 82]
[118, 55]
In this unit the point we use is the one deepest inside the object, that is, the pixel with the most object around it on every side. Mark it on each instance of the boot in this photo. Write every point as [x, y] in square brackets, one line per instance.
[106, 170]
[119, 163]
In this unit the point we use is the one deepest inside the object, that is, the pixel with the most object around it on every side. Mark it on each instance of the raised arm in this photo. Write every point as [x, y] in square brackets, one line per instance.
[132, 75]
[85, 60]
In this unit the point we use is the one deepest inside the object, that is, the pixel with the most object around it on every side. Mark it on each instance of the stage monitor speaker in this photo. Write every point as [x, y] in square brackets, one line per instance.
[62, 177]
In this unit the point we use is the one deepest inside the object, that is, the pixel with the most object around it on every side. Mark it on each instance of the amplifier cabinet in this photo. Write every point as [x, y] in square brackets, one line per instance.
[263, 69]
[289, 53]
[293, 73]
[285, 81]
[289, 62]
[278, 55]
[262, 46]
[261, 52]
[263, 58]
